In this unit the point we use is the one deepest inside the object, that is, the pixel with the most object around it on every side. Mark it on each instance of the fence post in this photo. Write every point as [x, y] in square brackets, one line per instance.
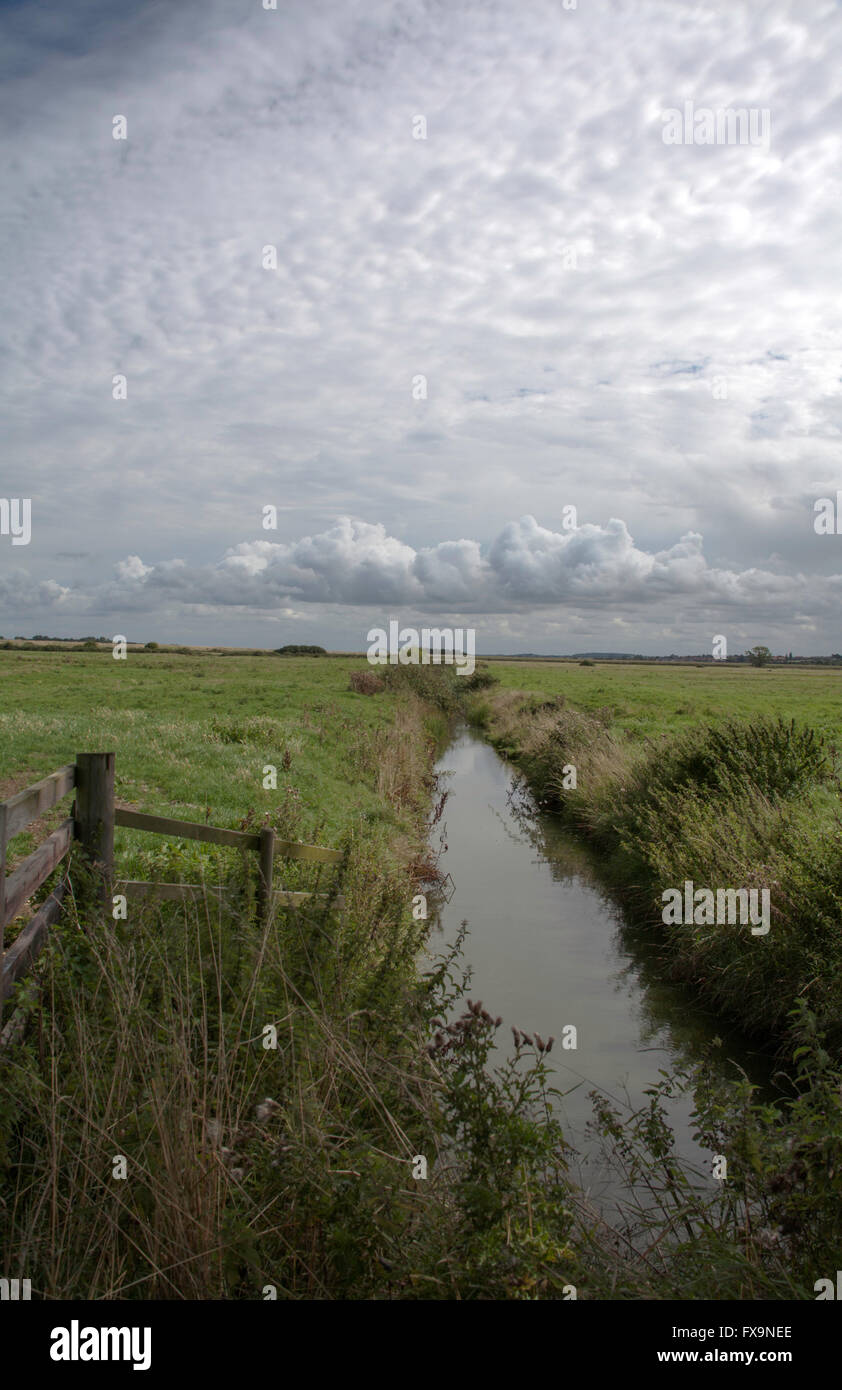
[95, 815]
[267, 859]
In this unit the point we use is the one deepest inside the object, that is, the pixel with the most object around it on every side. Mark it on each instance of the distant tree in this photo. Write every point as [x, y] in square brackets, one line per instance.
[151, 647]
[759, 656]
[297, 650]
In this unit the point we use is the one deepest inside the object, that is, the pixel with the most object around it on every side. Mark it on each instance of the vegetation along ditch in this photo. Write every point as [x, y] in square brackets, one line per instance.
[273, 1085]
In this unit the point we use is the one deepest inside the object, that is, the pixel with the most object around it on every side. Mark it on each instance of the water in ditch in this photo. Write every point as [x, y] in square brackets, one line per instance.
[546, 950]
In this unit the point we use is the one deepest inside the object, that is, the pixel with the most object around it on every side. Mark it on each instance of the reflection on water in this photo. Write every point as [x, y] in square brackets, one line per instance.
[545, 948]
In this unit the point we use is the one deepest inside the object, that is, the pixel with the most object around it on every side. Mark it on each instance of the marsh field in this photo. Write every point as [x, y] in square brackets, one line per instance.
[293, 1167]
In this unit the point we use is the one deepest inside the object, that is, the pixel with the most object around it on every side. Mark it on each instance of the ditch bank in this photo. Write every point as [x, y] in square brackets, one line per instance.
[546, 948]
[749, 805]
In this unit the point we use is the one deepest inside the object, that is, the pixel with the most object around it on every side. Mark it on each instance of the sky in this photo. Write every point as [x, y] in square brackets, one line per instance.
[433, 280]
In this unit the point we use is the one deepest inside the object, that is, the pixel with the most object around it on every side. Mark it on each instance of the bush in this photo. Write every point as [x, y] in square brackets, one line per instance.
[481, 679]
[733, 759]
[437, 684]
[365, 682]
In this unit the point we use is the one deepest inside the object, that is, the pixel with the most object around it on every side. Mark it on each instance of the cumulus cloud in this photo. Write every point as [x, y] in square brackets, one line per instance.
[355, 564]
[534, 564]
[20, 591]
[359, 563]
[132, 568]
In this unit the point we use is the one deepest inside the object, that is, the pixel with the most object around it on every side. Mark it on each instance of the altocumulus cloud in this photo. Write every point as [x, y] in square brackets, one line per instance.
[358, 564]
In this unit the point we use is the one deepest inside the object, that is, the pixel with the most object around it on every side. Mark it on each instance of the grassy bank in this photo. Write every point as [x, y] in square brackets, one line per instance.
[733, 800]
[146, 1037]
[741, 797]
[204, 1105]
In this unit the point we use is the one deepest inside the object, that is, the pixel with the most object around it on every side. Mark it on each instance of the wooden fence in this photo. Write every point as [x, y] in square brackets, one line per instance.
[93, 817]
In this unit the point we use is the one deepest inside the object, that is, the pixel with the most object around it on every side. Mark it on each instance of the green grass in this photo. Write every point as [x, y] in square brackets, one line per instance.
[743, 792]
[145, 1035]
[292, 1166]
[248, 1167]
[192, 732]
[192, 735]
[643, 700]
[727, 777]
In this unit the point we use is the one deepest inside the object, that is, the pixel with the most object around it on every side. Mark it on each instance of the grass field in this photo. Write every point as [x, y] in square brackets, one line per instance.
[293, 1167]
[145, 1037]
[193, 732]
[642, 700]
[722, 776]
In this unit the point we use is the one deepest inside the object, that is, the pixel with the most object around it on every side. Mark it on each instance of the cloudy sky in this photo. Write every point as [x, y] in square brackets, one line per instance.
[421, 275]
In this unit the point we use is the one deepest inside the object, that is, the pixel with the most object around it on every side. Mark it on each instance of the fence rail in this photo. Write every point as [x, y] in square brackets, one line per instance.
[29, 875]
[19, 957]
[239, 839]
[91, 824]
[20, 810]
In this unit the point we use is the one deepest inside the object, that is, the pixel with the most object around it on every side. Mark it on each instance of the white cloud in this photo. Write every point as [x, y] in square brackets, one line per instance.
[528, 569]
[132, 568]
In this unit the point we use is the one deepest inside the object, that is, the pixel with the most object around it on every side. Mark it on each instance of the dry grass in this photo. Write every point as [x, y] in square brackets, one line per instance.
[365, 682]
[549, 737]
[155, 1054]
[145, 1039]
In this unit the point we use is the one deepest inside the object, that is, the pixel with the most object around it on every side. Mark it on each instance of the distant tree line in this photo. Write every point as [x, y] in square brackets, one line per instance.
[296, 649]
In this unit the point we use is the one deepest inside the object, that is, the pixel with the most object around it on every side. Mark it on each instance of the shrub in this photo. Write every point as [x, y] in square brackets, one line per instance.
[437, 684]
[774, 756]
[365, 682]
[481, 679]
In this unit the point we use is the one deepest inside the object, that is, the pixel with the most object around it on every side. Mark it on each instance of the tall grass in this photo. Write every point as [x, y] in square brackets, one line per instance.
[739, 803]
[289, 1167]
[145, 1039]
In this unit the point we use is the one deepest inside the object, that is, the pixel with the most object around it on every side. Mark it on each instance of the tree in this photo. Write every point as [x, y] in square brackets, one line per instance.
[759, 656]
